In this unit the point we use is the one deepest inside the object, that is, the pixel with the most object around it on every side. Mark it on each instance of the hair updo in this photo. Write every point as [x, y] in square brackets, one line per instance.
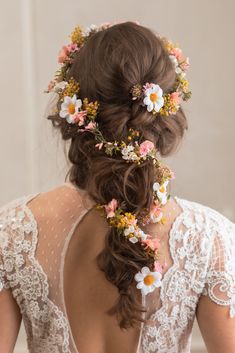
[106, 67]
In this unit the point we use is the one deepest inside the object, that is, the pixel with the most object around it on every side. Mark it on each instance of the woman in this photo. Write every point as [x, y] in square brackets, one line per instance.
[108, 262]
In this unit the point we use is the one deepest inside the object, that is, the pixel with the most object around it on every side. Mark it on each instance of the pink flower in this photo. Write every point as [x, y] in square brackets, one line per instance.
[157, 267]
[147, 85]
[111, 208]
[177, 52]
[71, 48]
[80, 117]
[175, 98]
[146, 147]
[155, 213]
[63, 55]
[90, 126]
[153, 244]
[99, 145]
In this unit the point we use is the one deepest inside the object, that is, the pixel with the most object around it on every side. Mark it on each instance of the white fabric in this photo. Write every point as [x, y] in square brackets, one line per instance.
[32, 251]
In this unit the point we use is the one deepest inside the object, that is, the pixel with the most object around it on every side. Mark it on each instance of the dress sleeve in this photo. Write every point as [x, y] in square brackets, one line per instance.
[9, 232]
[220, 277]
[4, 257]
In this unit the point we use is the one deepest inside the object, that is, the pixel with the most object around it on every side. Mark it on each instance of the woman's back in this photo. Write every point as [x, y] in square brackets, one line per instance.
[51, 244]
[71, 235]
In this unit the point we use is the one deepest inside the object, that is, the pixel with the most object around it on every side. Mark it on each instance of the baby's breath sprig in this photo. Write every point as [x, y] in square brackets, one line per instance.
[70, 89]
[77, 36]
[91, 108]
[170, 106]
[131, 151]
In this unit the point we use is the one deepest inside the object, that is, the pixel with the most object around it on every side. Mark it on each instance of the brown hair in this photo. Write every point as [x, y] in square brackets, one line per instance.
[106, 67]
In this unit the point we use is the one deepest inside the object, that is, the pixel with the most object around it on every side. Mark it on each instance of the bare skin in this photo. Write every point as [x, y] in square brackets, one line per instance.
[217, 328]
[10, 320]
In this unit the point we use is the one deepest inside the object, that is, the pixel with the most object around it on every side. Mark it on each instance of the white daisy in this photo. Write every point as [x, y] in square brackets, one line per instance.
[148, 280]
[161, 191]
[153, 97]
[70, 107]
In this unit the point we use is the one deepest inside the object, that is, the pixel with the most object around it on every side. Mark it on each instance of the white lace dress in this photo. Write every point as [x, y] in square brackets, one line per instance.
[32, 252]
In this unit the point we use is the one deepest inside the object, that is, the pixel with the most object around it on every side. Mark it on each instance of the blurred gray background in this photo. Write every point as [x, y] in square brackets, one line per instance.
[33, 31]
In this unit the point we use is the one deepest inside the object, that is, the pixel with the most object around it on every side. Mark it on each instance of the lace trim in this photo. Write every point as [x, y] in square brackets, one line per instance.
[183, 283]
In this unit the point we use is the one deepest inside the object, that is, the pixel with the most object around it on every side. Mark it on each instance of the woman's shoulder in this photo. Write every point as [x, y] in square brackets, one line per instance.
[18, 209]
[215, 235]
[200, 212]
[62, 199]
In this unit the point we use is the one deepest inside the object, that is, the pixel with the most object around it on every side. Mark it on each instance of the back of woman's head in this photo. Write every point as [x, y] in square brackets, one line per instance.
[110, 63]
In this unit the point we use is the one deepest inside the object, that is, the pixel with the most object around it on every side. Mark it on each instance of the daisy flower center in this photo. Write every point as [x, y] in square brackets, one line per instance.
[162, 189]
[71, 108]
[153, 97]
[148, 280]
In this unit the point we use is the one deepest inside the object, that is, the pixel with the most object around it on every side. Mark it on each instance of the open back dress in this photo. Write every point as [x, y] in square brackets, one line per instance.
[48, 248]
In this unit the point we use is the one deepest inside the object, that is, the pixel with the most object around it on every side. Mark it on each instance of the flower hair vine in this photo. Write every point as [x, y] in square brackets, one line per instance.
[127, 225]
[157, 102]
[82, 114]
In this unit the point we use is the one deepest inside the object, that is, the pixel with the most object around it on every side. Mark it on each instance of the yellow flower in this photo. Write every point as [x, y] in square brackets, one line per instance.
[71, 89]
[169, 106]
[91, 108]
[77, 36]
[123, 221]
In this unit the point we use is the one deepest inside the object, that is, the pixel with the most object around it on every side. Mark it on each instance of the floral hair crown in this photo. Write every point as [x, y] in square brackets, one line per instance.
[151, 94]
[82, 113]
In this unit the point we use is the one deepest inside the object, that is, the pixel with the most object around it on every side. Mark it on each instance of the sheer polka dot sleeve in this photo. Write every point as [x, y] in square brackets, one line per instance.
[220, 278]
